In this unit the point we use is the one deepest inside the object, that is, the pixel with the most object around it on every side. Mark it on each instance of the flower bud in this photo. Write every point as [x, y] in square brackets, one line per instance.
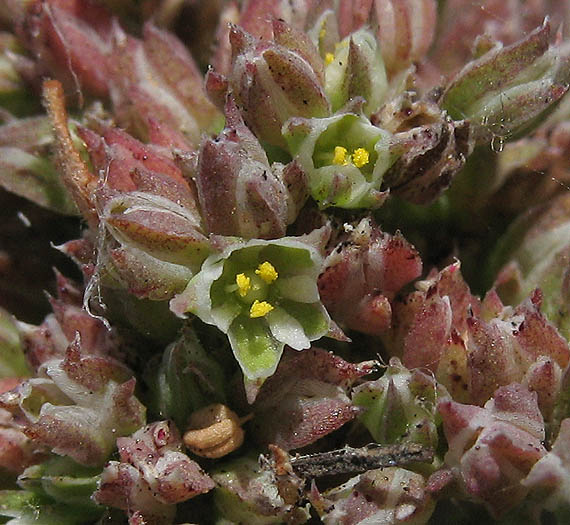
[239, 192]
[272, 83]
[404, 28]
[27, 167]
[400, 406]
[509, 89]
[356, 69]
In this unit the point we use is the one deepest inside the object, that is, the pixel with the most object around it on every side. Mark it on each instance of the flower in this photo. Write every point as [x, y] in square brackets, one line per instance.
[344, 158]
[263, 295]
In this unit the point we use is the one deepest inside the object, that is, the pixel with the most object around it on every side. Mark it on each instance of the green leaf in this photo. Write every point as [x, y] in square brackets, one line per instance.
[63, 480]
[186, 379]
[12, 360]
[30, 509]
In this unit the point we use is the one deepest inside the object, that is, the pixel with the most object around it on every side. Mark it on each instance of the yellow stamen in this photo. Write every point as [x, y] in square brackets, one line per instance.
[322, 33]
[360, 157]
[267, 272]
[340, 156]
[259, 309]
[243, 283]
[329, 57]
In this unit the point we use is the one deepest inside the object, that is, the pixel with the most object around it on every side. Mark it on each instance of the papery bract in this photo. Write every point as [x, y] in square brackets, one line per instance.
[384, 496]
[306, 398]
[153, 474]
[377, 265]
[492, 449]
[250, 494]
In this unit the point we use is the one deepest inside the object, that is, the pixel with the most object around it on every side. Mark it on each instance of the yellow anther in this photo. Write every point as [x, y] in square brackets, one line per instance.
[259, 309]
[267, 272]
[322, 33]
[340, 156]
[360, 157]
[243, 283]
[329, 57]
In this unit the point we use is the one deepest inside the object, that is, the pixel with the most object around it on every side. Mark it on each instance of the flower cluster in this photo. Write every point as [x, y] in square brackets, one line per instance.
[287, 212]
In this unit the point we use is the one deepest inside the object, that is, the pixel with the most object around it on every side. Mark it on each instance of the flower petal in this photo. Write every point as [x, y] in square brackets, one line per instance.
[287, 329]
[255, 349]
[313, 317]
[301, 288]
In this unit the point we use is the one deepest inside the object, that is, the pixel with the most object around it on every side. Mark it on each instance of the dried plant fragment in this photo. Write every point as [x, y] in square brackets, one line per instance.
[214, 431]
